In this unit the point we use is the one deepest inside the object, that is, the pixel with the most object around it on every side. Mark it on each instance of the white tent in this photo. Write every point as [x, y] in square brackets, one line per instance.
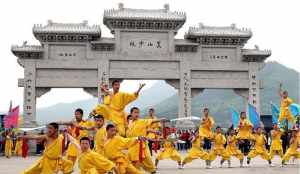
[32, 129]
[187, 118]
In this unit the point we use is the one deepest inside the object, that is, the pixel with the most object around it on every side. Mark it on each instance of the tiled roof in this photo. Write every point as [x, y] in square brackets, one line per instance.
[27, 48]
[63, 28]
[145, 14]
[227, 31]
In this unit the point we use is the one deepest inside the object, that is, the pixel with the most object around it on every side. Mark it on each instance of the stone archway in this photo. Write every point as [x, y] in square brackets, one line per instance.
[143, 47]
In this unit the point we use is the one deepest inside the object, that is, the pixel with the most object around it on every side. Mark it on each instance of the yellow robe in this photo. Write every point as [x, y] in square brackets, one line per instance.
[232, 148]
[139, 128]
[18, 148]
[91, 162]
[99, 140]
[52, 162]
[169, 152]
[245, 131]
[114, 151]
[276, 146]
[259, 147]
[153, 126]
[205, 128]
[72, 151]
[113, 109]
[285, 112]
[196, 151]
[218, 149]
[292, 150]
[8, 146]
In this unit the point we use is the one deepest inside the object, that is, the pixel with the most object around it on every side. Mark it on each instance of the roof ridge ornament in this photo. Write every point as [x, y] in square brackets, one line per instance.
[233, 26]
[167, 7]
[201, 25]
[85, 22]
[50, 22]
[24, 43]
[121, 6]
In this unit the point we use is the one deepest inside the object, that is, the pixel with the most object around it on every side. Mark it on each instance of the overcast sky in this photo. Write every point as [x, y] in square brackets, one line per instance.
[275, 25]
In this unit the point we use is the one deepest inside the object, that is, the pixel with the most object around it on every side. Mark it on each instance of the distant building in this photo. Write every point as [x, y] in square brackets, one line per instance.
[1, 121]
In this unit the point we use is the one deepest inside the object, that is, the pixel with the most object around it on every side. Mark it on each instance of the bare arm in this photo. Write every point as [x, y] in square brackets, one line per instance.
[140, 88]
[67, 123]
[34, 137]
[160, 120]
[73, 141]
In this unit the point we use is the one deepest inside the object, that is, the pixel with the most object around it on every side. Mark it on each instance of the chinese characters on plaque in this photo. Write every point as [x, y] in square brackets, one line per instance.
[145, 44]
[29, 93]
[185, 93]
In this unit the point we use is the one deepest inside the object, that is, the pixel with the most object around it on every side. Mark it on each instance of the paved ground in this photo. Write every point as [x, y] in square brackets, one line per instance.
[15, 165]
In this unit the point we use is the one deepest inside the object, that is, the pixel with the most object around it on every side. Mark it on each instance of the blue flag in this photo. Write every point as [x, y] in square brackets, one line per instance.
[295, 109]
[234, 117]
[275, 113]
[253, 116]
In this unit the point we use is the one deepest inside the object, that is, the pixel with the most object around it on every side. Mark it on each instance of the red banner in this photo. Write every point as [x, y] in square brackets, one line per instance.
[11, 119]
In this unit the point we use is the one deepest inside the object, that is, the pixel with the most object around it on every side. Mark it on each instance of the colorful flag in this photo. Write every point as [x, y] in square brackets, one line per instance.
[234, 117]
[295, 109]
[253, 116]
[11, 119]
[275, 113]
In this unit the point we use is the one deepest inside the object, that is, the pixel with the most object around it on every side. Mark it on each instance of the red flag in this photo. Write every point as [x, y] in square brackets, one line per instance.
[11, 119]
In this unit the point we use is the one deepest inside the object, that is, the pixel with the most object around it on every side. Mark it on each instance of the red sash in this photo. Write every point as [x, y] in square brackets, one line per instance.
[142, 151]
[155, 145]
[25, 148]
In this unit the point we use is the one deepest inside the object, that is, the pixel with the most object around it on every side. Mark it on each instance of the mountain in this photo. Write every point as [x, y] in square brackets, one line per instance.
[64, 111]
[220, 100]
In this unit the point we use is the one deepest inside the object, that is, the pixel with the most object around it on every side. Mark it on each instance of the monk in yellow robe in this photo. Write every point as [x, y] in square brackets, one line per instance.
[114, 149]
[205, 129]
[169, 152]
[218, 148]
[100, 135]
[51, 161]
[285, 112]
[276, 146]
[153, 136]
[8, 144]
[259, 147]
[91, 162]
[293, 148]
[114, 105]
[18, 147]
[77, 129]
[139, 153]
[196, 152]
[232, 149]
[244, 133]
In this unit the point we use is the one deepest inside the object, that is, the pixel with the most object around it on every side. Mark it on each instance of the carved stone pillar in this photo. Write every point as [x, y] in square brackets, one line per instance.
[103, 76]
[29, 105]
[185, 90]
[254, 86]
